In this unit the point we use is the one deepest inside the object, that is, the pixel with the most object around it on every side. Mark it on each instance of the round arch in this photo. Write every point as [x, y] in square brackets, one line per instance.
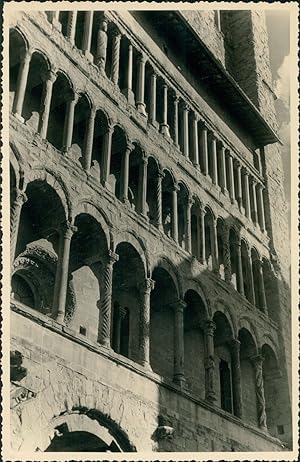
[196, 286]
[22, 34]
[18, 164]
[166, 264]
[220, 306]
[137, 243]
[43, 54]
[245, 323]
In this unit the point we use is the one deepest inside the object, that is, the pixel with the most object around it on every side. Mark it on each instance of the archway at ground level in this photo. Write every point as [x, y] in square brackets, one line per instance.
[80, 442]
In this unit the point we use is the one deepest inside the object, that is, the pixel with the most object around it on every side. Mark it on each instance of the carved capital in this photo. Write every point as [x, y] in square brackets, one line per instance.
[21, 198]
[179, 306]
[148, 285]
[112, 257]
[67, 229]
[209, 327]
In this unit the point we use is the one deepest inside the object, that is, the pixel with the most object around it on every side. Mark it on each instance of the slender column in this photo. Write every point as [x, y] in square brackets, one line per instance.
[89, 138]
[247, 195]
[146, 289]
[261, 211]
[87, 34]
[202, 231]
[236, 377]
[204, 152]
[100, 59]
[175, 214]
[128, 90]
[240, 278]
[158, 218]
[21, 84]
[115, 62]
[209, 361]
[257, 362]
[199, 243]
[226, 255]
[251, 280]
[71, 27]
[16, 208]
[231, 178]
[153, 98]
[254, 208]
[214, 160]
[186, 131]
[125, 173]
[164, 127]
[239, 185]
[188, 232]
[105, 327]
[214, 240]
[54, 19]
[69, 122]
[141, 86]
[223, 178]
[195, 141]
[176, 101]
[261, 287]
[62, 272]
[179, 378]
[107, 155]
[46, 104]
[143, 186]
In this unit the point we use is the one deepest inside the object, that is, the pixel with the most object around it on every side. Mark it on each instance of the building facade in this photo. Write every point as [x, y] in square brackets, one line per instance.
[150, 306]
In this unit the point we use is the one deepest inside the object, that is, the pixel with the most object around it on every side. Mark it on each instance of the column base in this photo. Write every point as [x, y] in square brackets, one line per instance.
[164, 129]
[154, 123]
[224, 191]
[19, 117]
[179, 380]
[147, 366]
[129, 95]
[141, 107]
[88, 55]
[210, 397]
[56, 24]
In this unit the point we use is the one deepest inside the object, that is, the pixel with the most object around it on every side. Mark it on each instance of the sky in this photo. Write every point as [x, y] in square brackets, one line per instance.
[278, 25]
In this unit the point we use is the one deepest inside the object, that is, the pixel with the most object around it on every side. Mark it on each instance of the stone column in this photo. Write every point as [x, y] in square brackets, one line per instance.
[143, 186]
[164, 127]
[231, 179]
[176, 102]
[54, 19]
[179, 378]
[105, 325]
[100, 59]
[62, 271]
[240, 278]
[186, 131]
[195, 141]
[223, 178]
[214, 250]
[236, 377]
[71, 27]
[257, 362]
[239, 185]
[125, 173]
[203, 151]
[188, 232]
[158, 218]
[255, 216]
[128, 90]
[87, 34]
[115, 61]
[21, 84]
[146, 289]
[89, 138]
[16, 208]
[251, 280]
[106, 155]
[175, 214]
[226, 255]
[214, 160]
[69, 122]
[153, 98]
[209, 361]
[46, 103]
[261, 211]
[141, 107]
[261, 288]
[202, 231]
[247, 195]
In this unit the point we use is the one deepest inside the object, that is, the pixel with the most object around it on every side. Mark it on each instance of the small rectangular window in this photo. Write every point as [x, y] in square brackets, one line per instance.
[280, 429]
[82, 330]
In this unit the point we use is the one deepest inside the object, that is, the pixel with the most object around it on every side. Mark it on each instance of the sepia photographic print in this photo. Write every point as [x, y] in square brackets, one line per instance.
[150, 231]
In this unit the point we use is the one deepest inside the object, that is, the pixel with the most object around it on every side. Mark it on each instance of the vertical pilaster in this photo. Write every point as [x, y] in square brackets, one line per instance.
[179, 377]
[223, 178]
[69, 122]
[141, 85]
[153, 98]
[247, 195]
[236, 377]
[175, 122]
[128, 90]
[143, 186]
[100, 59]
[195, 141]
[188, 232]
[186, 131]
[204, 150]
[209, 361]
[202, 232]
[164, 127]
[175, 214]
[145, 289]
[105, 325]
[231, 179]
[89, 138]
[125, 173]
[214, 160]
[21, 84]
[46, 103]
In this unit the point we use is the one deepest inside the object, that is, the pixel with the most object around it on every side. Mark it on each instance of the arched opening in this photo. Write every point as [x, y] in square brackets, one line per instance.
[22, 290]
[167, 202]
[194, 317]
[208, 227]
[61, 95]
[118, 148]
[37, 76]
[152, 180]
[86, 267]
[135, 178]
[17, 49]
[81, 117]
[221, 246]
[128, 275]
[182, 202]
[79, 441]
[271, 290]
[162, 302]
[246, 268]
[223, 364]
[233, 246]
[247, 352]
[100, 130]
[195, 228]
